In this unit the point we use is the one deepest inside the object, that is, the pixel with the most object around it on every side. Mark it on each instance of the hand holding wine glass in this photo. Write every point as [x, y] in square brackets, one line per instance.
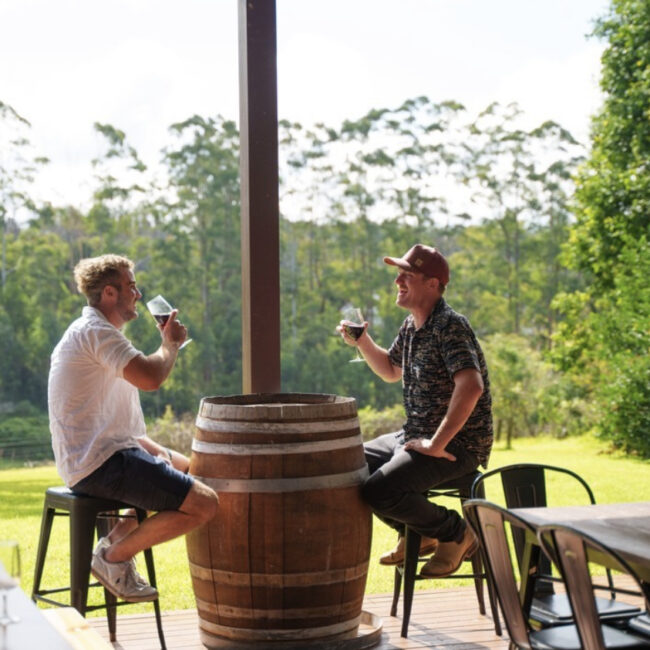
[9, 577]
[352, 326]
[161, 310]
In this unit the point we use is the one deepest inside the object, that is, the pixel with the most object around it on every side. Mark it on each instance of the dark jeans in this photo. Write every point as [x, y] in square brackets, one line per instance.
[399, 479]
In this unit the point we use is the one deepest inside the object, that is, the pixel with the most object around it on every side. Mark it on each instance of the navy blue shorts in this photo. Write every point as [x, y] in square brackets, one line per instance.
[136, 477]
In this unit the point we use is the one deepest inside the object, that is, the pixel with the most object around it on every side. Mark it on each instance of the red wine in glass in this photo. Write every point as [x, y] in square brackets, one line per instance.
[353, 325]
[162, 318]
[161, 310]
[354, 330]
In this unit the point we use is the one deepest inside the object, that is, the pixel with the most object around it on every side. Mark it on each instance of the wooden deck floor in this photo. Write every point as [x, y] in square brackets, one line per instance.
[446, 618]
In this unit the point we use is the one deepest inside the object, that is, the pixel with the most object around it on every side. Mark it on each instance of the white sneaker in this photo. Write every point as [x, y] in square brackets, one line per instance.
[139, 580]
[119, 579]
[105, 543]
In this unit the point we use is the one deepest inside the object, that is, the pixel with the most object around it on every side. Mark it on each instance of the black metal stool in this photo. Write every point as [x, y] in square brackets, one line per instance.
[85, 514]
[459, 488]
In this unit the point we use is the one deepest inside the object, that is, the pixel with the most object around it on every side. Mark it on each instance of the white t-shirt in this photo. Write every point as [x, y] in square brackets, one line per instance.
[94, 412]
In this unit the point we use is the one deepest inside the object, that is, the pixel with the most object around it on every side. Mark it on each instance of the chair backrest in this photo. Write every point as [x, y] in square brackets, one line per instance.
[524, 486]
[489, 523]
[568, 548]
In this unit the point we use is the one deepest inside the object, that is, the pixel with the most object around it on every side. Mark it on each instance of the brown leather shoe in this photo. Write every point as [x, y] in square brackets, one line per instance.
[450, 556]
[428, 545]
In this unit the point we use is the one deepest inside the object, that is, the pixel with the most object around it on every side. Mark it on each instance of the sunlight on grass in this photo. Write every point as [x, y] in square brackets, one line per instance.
[612, 477]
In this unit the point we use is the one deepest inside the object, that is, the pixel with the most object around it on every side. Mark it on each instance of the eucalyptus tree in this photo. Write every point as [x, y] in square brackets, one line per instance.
[520, 181]
[197, 254]
[18, 166]
[122, 188]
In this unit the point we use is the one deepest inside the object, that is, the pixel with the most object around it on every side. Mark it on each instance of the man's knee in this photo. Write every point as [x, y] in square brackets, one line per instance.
[378, 492]
[201, 502]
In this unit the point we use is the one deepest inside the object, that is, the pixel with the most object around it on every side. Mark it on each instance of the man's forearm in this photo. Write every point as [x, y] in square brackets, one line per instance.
[176, 459]
[378, 359]
[148, 373]
[163, 360]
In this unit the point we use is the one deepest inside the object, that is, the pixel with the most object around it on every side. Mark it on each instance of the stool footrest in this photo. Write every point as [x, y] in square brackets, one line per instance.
[49, 601]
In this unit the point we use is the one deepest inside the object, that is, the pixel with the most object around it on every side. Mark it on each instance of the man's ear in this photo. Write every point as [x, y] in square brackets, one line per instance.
[109, 291]
[434, 283]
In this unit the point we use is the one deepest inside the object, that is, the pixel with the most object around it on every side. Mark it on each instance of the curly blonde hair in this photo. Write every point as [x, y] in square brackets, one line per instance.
[92, 274]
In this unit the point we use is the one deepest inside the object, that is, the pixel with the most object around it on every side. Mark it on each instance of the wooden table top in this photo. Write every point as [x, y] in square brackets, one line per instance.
[623, 527]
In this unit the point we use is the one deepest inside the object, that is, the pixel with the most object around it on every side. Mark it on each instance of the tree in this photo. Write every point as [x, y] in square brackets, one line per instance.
[520, 182]
[601, 338]
[17, 169]
[122, 189]
[529, 398]
[202, 227]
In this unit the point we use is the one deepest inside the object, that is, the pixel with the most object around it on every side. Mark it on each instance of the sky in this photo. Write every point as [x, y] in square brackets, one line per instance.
[141, 65]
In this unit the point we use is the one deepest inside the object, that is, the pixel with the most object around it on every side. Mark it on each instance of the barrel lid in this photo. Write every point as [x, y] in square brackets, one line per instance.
[277, 406]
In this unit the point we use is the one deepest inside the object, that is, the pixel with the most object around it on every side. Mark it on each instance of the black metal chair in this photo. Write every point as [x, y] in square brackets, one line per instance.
[568, 549]
[85, 513]
[490, 522]
[457, 489]
[525, 486]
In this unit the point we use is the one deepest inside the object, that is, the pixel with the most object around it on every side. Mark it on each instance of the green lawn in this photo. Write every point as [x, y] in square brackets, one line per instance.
[613, 478]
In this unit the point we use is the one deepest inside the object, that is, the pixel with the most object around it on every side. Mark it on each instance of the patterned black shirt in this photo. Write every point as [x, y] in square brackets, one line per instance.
[429, 358]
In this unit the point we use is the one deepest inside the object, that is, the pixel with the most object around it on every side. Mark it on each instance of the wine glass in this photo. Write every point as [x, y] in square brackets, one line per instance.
[161, 310]
[9, 577]
[352, 323]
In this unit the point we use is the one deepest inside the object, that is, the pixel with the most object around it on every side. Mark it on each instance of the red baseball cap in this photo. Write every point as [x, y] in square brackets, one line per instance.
[423, 259]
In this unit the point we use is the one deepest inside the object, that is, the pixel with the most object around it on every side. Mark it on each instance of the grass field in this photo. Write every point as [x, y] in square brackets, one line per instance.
[613, 478]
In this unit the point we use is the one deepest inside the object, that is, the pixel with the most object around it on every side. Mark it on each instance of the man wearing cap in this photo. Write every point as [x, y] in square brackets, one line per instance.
[448, 428]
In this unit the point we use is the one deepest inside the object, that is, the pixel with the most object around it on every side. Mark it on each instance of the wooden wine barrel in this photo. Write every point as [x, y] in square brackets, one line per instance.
[285, 559]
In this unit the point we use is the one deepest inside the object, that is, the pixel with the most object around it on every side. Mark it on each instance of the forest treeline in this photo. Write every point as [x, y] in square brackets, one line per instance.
[547, 242]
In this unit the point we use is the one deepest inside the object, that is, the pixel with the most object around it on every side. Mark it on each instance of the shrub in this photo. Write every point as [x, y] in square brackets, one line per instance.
[375, 423]
[173, 432]
[25, 437]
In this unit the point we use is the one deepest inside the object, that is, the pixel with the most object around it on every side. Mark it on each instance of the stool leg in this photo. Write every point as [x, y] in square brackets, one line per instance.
[151, 573]
[82, 533]
[492, 597]
[111, 614]
[43, 541]
[397, 588]
[161, 636]
[104, 525]
[411, 553]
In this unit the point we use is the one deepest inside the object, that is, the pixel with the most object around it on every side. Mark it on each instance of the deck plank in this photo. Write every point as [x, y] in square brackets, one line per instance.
[443, 618]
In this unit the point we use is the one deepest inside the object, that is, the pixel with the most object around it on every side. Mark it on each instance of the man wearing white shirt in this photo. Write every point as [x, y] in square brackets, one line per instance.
[98, 430]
